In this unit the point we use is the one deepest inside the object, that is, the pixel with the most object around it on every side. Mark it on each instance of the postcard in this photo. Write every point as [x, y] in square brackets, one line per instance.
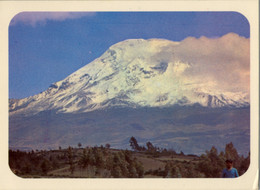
[130, 95]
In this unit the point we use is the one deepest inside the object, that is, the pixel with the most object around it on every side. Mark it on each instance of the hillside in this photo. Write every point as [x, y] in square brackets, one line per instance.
[190, 129]
[104, 162]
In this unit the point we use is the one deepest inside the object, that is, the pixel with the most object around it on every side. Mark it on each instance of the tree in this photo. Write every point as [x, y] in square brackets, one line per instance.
[245, 162]
[79, 144]
[167, 168]
[132, 171]
[172, 170]
[84, 160]
[45, 167]
[134, 144]
[91, 156]
[70, 158]
[231, 153]
[128, 156]
[107, 146]
[150, 147]
[99, 157]
[116, 172]
[211, 164]
[55, 164]
[139, 169]
[175, 172]
[109, 162]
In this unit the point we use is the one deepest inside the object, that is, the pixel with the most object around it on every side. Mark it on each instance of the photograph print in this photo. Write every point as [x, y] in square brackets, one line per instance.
[129, 94]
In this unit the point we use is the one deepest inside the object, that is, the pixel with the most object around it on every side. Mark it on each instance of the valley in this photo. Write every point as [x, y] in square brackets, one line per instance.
[191, 129]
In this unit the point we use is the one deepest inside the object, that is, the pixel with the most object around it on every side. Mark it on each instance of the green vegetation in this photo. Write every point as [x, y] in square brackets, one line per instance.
[104, 162]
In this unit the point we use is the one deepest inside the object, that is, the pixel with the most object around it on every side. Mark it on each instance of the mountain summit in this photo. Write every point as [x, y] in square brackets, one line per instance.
[145, 73]
[186, 95]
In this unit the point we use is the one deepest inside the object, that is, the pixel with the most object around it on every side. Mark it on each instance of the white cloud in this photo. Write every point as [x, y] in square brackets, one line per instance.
[32, 18]
[223, 62]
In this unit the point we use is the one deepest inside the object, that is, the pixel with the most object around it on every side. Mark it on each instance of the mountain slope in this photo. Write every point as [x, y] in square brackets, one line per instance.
[187, 95]
[133, 73]
[192, 129]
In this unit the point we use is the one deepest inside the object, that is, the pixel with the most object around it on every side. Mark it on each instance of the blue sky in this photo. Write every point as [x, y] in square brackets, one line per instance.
[46, 47]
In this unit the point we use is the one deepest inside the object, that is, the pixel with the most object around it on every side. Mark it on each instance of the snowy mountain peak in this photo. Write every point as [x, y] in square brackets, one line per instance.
[135, 73]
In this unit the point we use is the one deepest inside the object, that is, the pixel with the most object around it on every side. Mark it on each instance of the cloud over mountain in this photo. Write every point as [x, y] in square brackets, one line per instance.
[224, 62]
[32, 18]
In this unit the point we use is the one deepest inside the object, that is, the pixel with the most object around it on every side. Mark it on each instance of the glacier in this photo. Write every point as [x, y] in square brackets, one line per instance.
[135, 73]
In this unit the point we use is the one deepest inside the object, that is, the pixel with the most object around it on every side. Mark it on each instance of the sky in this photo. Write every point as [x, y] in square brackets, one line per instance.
[46, 47]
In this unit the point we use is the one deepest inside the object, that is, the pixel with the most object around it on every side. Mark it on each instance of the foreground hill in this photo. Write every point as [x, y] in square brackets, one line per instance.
[104, 162]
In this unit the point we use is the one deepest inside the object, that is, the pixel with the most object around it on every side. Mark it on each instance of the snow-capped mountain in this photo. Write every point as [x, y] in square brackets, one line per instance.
[134, 73]
[156, 90]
